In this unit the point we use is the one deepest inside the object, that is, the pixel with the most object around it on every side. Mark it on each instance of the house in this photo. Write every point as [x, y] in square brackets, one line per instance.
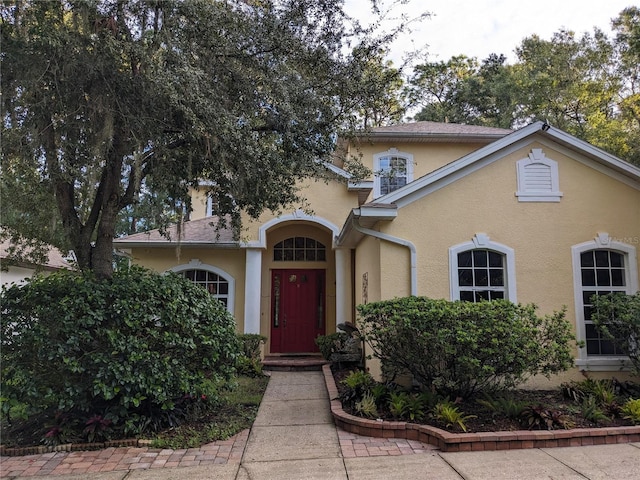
[17, 271]
[451, 211]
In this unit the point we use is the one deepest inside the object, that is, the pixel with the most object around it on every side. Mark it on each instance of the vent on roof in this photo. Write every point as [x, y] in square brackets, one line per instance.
[537, 178]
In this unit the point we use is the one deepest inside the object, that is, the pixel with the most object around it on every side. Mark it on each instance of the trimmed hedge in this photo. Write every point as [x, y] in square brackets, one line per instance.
[460, 348]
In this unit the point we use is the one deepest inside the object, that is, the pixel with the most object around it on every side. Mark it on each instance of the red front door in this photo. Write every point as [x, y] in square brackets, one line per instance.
[297, 310]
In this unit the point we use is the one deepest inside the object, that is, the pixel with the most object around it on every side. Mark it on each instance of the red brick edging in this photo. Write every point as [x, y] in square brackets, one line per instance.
[461, 442]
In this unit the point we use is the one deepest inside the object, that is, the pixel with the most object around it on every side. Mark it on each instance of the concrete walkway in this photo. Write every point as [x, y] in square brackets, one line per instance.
[294, 438]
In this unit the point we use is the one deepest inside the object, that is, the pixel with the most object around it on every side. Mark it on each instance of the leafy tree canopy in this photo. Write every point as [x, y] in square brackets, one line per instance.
[104, 98]
[587, 86]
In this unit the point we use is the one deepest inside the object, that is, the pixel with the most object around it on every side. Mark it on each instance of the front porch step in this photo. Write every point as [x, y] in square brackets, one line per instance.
[294, 363]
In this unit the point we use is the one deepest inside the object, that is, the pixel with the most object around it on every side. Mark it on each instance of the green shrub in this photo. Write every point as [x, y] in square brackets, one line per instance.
[617, 316]
[330, 344]
[447, 413]
[249, 363]
[631, 410]
[502, 405]
[139, 349]
[357, 384]
[542, 417]
[459, 348]
[367, 406]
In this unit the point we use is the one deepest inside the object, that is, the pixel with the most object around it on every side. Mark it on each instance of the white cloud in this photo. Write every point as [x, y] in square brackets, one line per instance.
[477, 28]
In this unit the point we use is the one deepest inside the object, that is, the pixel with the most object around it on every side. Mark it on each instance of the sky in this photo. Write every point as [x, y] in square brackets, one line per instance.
[477, 28]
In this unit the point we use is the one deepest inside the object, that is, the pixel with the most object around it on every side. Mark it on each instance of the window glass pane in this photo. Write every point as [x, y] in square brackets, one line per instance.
[586, 259]
[310, 243]
[497, 295]
[482, 295]
[593, 347]
[603, 278]
[495, 259]
[288, 243]
[495, 277]
[602, 258]
[299, 254]
[384, 163]
[479, 258]
[481, 278]
[321, 255]
[288, 255]
[464, 259]
[311, 255]
[586, 296]
[224, 288]
[617, 278]
[588, 277]
[189, 274]
[607, 348]
[466, 296]
[465, 277]
[299, 242]
[617, 260]
[277, 255]
[201, 276]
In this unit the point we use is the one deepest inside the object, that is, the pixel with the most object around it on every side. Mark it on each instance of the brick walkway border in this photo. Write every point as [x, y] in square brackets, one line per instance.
[461, 442]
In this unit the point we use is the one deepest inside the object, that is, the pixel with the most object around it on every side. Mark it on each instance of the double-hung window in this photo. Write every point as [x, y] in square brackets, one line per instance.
[600, 267]
[482, 270]
[393, 170]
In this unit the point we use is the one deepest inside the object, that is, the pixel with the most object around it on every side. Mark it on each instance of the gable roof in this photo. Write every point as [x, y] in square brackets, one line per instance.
[601, 160]
[489, 153]
[194, 233]
[434, 132]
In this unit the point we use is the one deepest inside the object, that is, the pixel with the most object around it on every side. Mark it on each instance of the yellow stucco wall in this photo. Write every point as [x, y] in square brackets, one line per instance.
[229, 260]
[541, 234]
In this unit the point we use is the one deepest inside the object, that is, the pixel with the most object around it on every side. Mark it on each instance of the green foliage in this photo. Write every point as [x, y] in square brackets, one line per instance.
[544, 418]
[591, 410]
[104, 105]
[330, 344]
[447, 413]
[367, 406]
[586, 85]
[140, 349]
[617, 316]
[459, 348]
[631, 410]
[249, 362]
[357, 383]
[504, 405]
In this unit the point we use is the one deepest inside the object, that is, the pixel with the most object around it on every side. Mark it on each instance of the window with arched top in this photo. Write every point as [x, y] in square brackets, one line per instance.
[600, 267]
[482, 270]
[299, 249]
[217, 282]
[393, 169]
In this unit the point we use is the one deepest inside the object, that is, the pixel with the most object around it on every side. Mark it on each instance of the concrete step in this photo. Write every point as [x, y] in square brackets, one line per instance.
[294, 363]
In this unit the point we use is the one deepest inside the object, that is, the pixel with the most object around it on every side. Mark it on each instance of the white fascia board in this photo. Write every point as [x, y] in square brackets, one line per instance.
[594, 152]
[377, 213]
[165, 244]
[360, 185]
[337, 170]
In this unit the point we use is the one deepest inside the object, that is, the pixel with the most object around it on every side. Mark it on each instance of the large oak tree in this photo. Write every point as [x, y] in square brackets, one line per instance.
[103, 98]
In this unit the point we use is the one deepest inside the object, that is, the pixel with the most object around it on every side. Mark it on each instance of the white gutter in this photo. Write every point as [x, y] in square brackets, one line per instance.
[397, 241]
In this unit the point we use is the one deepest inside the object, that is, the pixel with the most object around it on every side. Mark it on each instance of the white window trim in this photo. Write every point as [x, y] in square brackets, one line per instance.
[392, 152]
[601, 241]
[537, 156]
[482, 241]
[196, 264]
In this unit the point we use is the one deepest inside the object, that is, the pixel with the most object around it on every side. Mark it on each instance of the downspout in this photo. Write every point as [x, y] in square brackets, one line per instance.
[397, 241]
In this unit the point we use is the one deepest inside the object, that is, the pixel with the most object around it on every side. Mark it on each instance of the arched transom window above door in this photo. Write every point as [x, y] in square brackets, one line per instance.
[299, 249]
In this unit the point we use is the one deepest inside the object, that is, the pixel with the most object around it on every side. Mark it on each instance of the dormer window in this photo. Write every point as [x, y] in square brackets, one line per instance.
[538, 178]
[393, 170]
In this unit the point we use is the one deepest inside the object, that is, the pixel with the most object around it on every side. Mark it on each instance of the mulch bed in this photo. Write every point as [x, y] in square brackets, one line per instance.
[485, 420]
